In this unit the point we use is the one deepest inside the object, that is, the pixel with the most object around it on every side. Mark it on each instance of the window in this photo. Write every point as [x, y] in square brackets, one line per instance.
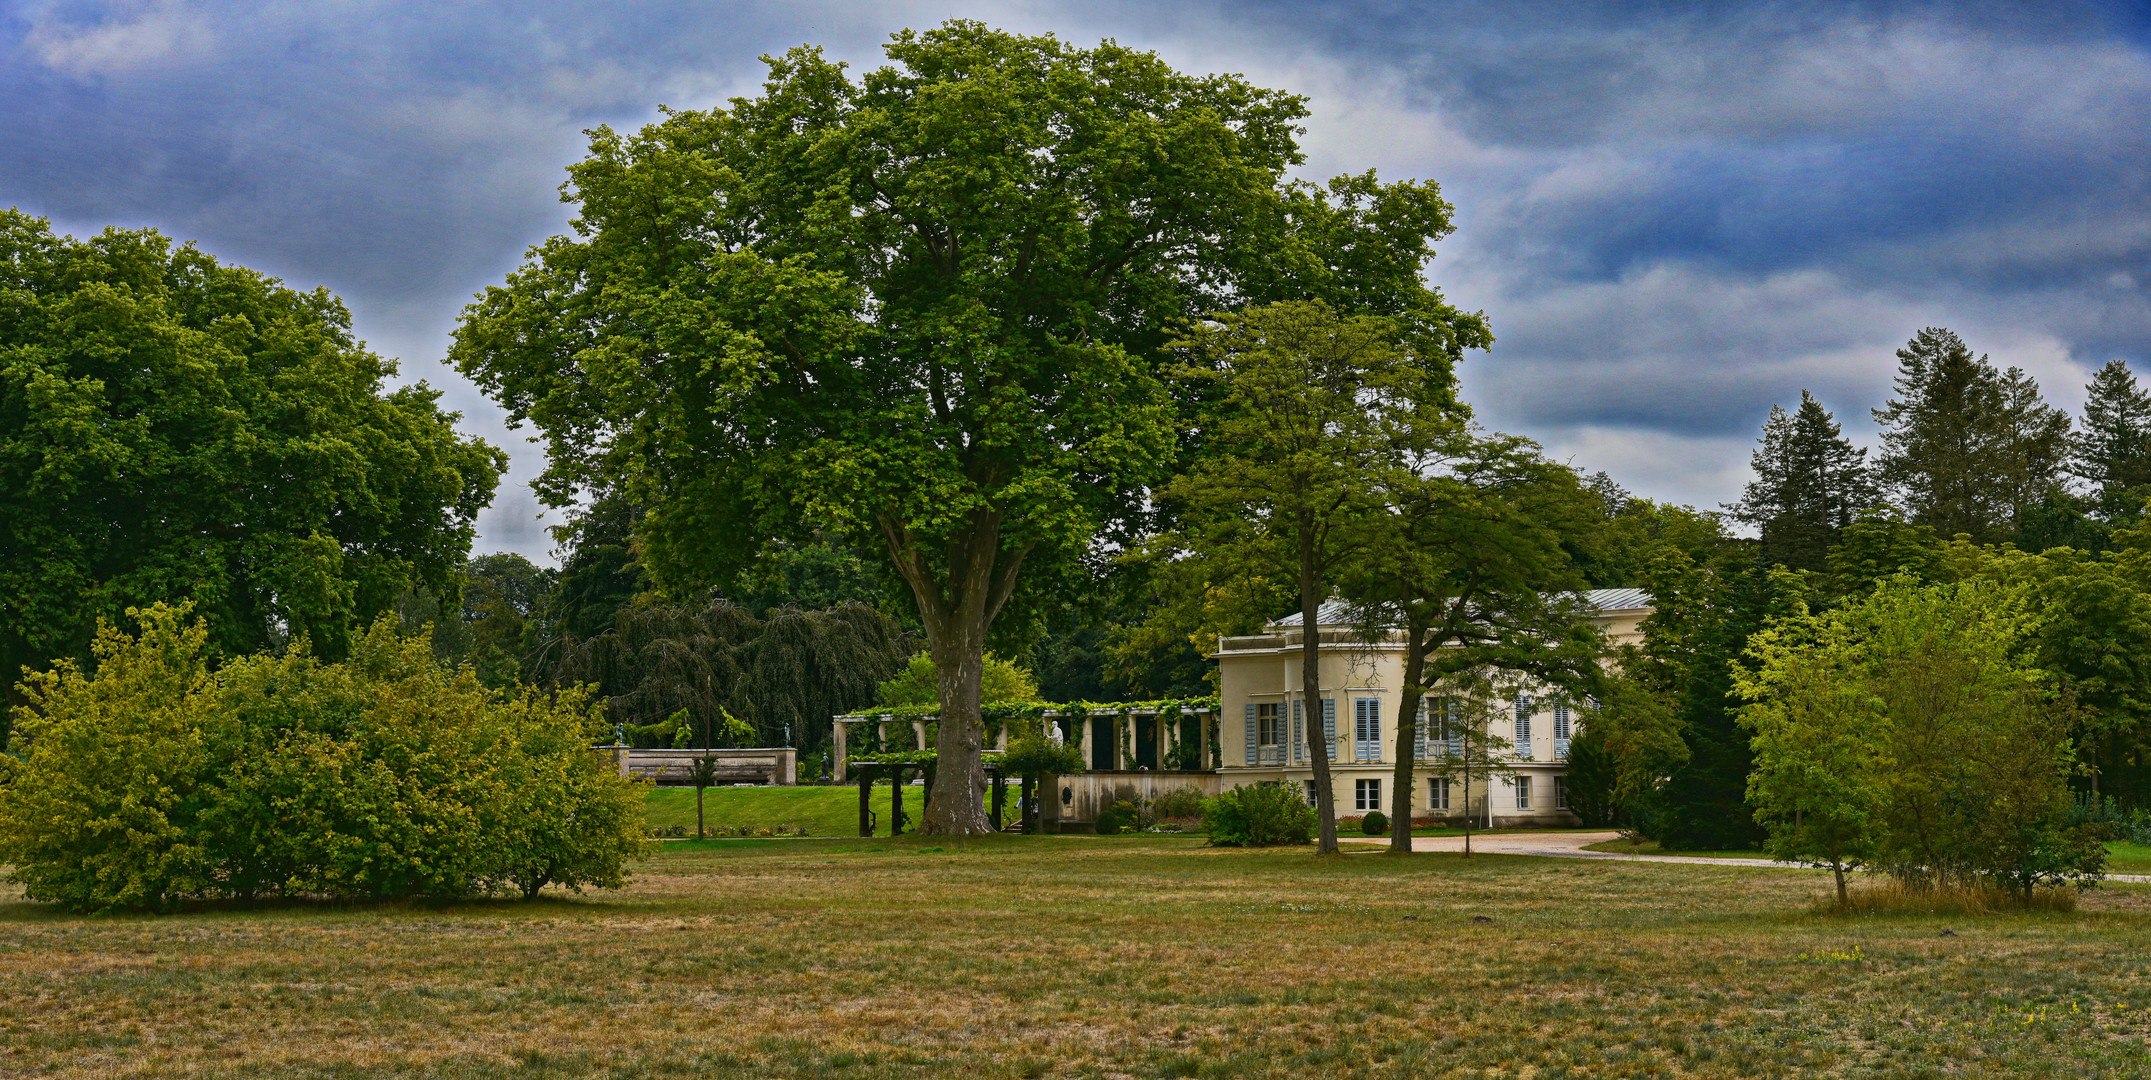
[1452, 726]
[1265, 733]
[1312, 798]
[1367, 729]
[1561, 731]
[1523, 793]
[1366, 794]
[1437, 793]
[1524, 707]
[1560, 793]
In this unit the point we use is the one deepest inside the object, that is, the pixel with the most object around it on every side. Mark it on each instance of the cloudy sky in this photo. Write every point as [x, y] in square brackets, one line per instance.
[1675, 216]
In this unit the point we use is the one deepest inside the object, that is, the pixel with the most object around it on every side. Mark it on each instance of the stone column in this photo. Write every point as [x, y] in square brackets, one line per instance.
[918, 732]
[839, 741]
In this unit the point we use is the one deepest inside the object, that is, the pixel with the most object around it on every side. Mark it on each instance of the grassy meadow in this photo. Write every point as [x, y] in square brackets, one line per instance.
[1079, 956]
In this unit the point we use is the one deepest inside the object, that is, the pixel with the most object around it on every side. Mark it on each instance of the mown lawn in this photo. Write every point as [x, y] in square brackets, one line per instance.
[1080, 956]
[824, 811]
[2121, 858]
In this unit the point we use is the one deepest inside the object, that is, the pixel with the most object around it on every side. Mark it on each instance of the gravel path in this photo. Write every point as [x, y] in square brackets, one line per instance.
[1570, 845]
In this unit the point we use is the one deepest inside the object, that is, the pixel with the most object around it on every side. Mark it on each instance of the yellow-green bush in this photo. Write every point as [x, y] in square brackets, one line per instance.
[387, 775]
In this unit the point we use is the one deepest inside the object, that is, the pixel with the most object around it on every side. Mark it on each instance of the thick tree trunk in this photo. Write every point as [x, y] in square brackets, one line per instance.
[1403, 780]
[1318, 747]
[958, 606]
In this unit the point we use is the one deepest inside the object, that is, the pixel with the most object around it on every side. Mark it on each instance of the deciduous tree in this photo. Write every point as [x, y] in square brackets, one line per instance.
[174, 428]
[921, 309]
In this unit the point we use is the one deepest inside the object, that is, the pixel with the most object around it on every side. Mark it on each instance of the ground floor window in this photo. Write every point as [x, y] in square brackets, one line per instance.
[1523, 793]
[1367, 794]
[1312, 798]
[1560, 793]
[1437, 793]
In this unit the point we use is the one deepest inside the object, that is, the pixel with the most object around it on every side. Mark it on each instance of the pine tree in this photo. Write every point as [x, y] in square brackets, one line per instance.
[1810, 482]
[2113, 450]
[1967, 448]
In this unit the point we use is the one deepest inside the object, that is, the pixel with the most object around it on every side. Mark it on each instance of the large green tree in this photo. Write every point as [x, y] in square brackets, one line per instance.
[1317, 414]
[920, 309]
[1466, 561]
[175, 428]
[1968, 448]
[1810, 482]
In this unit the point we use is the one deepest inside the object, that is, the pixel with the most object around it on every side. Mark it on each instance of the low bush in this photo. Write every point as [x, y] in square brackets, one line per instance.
[1122, 816]
[1374, 824]
[388, 775]
[1258, 815]
[1180, 803]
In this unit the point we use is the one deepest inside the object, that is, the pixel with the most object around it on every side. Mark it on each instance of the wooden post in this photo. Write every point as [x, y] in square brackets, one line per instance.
[1000, 796]
[866, 791]
[896, 799]
[1027, 805]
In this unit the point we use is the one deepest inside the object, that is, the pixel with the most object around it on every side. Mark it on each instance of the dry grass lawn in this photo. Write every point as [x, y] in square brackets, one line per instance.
[1086, 956]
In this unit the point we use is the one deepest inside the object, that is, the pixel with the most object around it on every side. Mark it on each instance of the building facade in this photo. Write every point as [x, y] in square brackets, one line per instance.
[1266, 720]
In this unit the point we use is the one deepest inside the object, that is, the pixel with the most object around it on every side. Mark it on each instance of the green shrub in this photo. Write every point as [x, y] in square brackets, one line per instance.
[1120, 817]
[1374, 824]
[388, 775]
[1258, 815]
[1180, 802]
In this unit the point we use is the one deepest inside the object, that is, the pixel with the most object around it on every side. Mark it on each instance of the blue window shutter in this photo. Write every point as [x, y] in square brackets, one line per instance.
[1251, 748]
[1329, 727]
[1299, 731]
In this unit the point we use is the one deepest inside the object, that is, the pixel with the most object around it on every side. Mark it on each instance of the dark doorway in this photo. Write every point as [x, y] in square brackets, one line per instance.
[1104, 740]
[1146, 742]
[1190, 743]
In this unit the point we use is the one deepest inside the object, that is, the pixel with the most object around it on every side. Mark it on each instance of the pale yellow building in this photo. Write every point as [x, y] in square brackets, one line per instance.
[1265, 721]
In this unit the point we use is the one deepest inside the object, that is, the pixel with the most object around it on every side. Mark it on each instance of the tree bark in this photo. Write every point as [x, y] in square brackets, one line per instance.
[957, 607]
[1318, 747]
[1403, 779]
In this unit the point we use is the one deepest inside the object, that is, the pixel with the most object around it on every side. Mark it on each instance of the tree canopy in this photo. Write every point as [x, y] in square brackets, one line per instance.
[175, 428]
[922, 308]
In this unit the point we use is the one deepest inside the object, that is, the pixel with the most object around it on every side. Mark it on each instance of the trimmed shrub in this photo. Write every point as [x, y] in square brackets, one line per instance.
[1374, 824]
[388, 775]
[1120, 817]
[1258, 815]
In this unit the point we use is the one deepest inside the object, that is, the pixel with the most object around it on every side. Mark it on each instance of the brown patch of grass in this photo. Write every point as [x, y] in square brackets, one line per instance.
[1889, 896]
[1071, 956]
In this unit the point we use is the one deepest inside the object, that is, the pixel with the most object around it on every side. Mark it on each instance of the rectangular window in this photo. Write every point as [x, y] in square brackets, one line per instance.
[1313, 799]
[1437, 793]
[1523, 793]
[1366, 729]
[1269, 737]
[1561, 730]
[1560, 793]
[1366, 794]
[1524, 708]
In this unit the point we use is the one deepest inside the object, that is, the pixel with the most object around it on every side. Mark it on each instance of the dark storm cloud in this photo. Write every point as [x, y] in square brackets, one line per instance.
[1675, 215]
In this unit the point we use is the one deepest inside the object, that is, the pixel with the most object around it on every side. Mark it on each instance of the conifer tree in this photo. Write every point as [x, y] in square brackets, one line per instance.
[2112, 452]
[1968, 448]
[1810, 482]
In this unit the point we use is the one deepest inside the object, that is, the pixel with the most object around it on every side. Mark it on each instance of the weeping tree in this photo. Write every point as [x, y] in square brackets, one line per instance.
[788, 673]
[919, 310]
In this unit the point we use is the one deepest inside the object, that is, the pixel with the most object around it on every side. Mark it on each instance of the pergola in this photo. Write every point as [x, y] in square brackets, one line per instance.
[867, 768]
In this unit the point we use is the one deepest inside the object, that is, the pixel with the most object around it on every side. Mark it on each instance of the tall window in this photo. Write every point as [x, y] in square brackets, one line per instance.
[1561, 730]
[1312, 798]
[1437, 793]
[1524, 708]
[1269, 733]
[1560, 793]
[1366, 794]
[1523, 793]
[1367, 729]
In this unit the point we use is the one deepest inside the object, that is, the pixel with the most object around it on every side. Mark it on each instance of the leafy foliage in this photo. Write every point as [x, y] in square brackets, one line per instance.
[1907, 732]
[175, 428]
[388, 775]
[1258, 815]
[919, 684]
